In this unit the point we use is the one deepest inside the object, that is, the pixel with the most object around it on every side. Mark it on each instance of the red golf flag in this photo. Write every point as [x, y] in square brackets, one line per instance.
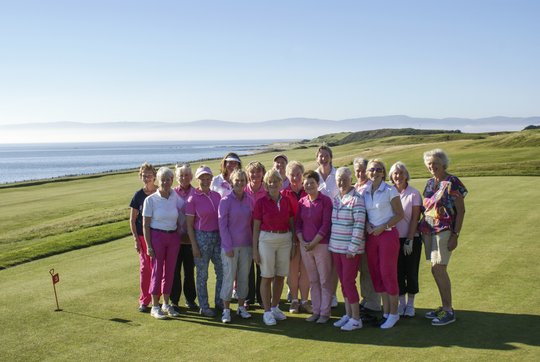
[55, 278]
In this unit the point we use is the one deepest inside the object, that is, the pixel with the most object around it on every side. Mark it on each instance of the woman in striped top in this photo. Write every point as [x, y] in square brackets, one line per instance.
[346, 244]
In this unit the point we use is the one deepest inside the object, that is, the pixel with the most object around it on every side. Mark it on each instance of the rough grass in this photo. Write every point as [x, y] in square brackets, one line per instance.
[42, 218]
[495, 283]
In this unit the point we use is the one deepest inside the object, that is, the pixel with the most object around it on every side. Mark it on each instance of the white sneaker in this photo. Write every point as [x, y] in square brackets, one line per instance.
[242, 312]
[157, 313]
[278, 314]
[342, 321]
[169, 309]
[226, 316]
[401, 309]
[390, 321]
[409, 312]
[268, 319]
[334, 303]
[351, 325]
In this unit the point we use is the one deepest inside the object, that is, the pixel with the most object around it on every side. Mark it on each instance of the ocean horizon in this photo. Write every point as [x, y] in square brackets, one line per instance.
[37, 161]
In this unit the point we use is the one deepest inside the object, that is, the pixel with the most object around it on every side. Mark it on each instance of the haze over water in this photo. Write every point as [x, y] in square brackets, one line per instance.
[20, 162]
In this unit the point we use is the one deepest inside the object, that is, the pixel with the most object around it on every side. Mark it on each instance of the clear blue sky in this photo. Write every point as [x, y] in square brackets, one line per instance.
[113, 60]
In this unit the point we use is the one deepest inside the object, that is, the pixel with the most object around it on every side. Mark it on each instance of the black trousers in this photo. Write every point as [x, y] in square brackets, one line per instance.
[408, 267]
[185, 259]
[254, 293]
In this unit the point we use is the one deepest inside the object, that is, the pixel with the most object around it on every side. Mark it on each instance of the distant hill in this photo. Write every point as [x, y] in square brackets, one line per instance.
[290, 128]
[344, 138]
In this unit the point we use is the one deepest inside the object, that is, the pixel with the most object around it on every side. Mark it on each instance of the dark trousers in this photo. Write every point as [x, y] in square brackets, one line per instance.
[185, 259]
[254, 293]
[408, 267]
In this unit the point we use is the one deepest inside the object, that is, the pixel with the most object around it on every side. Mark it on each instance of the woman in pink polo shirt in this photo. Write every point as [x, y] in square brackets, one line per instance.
[384, 211]
[409, 239]
[255, 189]
[280, 164]
[222, 182]
[163, 220]
[203, 231]
[273, 226]
[236, 230]
[297, 278]
[313, 222]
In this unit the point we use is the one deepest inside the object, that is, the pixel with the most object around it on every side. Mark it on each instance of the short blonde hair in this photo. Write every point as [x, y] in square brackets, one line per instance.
[272, 174]
[184, 166]
[380, 162]
[255, 165]
[238, 173]
[147, 167]
[292, 165]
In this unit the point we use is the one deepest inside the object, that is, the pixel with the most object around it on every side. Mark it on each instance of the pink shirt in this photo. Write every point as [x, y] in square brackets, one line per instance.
[235, 221]
[256, 195]
[409, 197]
[293, 197]
[204, 207]
[314, 217]
[184, 195]
[272, 217]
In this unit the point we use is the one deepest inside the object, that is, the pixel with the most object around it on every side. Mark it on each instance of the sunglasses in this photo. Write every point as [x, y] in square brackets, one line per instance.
[376, 169]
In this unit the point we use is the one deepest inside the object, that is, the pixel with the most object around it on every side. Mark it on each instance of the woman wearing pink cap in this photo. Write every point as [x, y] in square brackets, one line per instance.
[203, 230]
[163, 220]
[222, 182]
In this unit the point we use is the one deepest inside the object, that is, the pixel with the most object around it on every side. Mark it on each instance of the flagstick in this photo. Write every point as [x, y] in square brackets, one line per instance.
[55, 279]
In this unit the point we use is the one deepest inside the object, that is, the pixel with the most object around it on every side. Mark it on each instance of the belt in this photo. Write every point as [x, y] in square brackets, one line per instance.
[164, 231]
[277, 231]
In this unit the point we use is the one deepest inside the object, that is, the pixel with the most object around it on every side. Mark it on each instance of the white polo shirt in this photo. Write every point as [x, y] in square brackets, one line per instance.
[329, 186]
[378, 206]
[165, 213]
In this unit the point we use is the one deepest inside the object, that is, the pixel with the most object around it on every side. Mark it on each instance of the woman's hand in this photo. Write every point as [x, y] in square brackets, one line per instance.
[230, 254]
[256, 257]
[379, 230]
[350, 256]
[137, 246]
[151, 253]
[196, 251]
[452, 242]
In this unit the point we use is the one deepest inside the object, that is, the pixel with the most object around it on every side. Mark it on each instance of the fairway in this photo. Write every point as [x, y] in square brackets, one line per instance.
[495, 274]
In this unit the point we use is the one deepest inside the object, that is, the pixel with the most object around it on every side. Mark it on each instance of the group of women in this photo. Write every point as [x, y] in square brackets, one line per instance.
[312, 227]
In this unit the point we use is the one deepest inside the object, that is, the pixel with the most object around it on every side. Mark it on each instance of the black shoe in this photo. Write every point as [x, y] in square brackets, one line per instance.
[191, 305]
[144, 308]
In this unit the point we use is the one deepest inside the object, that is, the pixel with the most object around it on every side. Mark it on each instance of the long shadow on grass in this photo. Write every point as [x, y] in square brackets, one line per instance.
[473, 329]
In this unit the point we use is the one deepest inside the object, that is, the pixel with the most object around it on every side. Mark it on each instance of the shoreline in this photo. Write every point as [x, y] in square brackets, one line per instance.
[258, 149]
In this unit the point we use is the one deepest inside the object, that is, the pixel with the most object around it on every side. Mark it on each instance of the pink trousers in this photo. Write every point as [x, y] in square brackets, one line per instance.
[382, 254]
[166, 247]
[318, 264]
[145, 273]
[347, 270]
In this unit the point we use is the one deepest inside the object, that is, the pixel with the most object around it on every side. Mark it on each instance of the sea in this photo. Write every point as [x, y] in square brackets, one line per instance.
[23, 162]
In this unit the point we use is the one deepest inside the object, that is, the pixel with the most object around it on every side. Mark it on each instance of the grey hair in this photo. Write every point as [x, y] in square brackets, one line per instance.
[360, 161]
[164, 171]
[399, 166]
[292, 165]
[343, 171]
[437, 153]
[184, 166]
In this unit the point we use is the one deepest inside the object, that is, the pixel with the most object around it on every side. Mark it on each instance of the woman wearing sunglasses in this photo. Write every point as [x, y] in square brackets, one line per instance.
[384, 211]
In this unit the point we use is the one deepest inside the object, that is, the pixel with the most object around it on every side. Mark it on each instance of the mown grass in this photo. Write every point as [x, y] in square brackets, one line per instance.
[494, 274]
[40, 219]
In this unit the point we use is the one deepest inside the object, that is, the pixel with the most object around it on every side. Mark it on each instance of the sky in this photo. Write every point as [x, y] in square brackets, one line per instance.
[250, 61]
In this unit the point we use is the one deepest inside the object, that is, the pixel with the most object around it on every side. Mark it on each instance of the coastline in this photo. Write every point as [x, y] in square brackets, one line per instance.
[277, 146]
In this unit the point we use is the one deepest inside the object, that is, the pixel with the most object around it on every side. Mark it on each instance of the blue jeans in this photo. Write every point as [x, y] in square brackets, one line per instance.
[210, 246]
